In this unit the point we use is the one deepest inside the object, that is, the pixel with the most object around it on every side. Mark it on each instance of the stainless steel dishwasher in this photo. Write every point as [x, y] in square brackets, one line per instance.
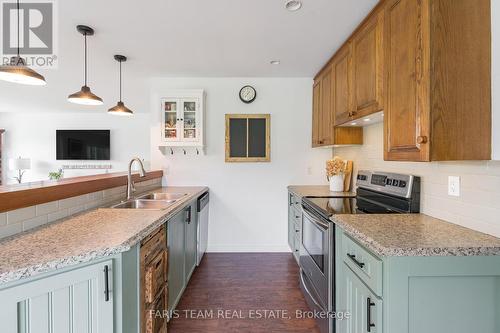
[202, 238]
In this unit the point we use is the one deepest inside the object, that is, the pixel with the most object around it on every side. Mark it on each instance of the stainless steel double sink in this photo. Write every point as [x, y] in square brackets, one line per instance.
[152, 201]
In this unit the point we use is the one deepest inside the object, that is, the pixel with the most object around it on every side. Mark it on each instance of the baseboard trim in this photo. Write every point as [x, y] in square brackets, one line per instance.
[252, 248]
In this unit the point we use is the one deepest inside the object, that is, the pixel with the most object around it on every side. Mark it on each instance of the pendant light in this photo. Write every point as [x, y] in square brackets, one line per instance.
[85, 96]
[17, 71]
[120, 109]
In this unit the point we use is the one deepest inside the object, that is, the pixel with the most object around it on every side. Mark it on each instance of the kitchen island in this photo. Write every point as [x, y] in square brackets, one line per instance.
[414, 273]
[95, 263]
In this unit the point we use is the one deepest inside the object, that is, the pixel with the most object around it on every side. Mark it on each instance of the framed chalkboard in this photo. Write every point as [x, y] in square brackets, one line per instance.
[248, 138]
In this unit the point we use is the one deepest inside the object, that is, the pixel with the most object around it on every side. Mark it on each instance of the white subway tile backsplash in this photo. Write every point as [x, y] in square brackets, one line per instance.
[74, 201]
[58, 215]
[478, 206]
[95, 196]
[22, 214]
[113, 191]
[10, 229]
[47, 208]
[76, 210]
[34, 222]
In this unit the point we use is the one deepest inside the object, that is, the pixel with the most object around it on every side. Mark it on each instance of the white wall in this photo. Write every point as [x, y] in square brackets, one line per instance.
[248, 200]
[478, 205]
[33, 135]
[495, 29]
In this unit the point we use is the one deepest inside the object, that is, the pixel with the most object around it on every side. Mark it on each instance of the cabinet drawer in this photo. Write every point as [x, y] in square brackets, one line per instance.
[155, 277]
[367, 266]
[156, 320]
[153, 244]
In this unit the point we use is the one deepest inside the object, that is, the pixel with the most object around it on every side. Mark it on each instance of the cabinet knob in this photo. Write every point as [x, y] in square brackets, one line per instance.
[421, 139]
[321, 142]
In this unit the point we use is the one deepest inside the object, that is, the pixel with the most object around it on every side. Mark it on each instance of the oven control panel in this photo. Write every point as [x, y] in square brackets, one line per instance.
[386, 182]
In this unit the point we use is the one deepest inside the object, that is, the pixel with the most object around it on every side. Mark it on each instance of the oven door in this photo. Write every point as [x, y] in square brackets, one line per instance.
[316, 255]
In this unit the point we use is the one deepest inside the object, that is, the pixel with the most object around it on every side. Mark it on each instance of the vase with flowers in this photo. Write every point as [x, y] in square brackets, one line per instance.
[335, 173]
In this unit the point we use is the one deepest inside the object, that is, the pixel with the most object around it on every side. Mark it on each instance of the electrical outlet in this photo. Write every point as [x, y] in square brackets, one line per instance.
[454, 186]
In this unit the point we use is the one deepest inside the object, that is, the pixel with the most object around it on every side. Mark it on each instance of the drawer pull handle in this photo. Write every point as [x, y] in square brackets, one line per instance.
[106, 283]
[369, 323]
[353, 258]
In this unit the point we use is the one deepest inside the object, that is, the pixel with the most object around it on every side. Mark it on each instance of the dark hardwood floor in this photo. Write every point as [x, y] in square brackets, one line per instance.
[228, 289]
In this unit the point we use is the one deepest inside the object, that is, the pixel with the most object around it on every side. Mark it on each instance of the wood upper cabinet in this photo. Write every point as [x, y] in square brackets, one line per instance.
[342, 85]
[367, 49]
[326, 123]
[438, 80]
[406, 116]
[324, 133]
[316, 113]
[427, 65]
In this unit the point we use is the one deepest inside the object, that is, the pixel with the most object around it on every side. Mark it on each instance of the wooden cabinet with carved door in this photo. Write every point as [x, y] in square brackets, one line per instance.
[324, 133]
[367, 67]
[342, 83]
[322, 109]
[438, 80]
[153, 276]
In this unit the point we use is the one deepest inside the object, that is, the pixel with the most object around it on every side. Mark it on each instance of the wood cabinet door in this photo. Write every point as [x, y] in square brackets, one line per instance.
[367, 67]
[342, 104]
[316, 113]
[406, 120]
[326, 113]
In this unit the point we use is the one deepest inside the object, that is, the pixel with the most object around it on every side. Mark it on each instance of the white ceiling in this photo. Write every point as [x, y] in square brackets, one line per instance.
[188, 38]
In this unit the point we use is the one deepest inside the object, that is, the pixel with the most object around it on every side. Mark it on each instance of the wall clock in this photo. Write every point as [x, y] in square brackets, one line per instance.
[248, 94]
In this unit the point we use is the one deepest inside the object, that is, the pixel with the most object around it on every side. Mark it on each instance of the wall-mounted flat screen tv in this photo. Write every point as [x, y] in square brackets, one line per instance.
[83, 144]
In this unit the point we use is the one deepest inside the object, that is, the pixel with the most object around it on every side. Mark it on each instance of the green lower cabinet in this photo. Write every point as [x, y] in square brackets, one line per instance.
[364, 307]
[440, 294]
[294, 224]
[176, 258]
[191, 241]
[73, 301]
[182, 251]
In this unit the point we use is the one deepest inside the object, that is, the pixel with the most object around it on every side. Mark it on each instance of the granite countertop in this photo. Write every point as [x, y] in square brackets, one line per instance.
[415, 235]
[317, 191]
[89, 236]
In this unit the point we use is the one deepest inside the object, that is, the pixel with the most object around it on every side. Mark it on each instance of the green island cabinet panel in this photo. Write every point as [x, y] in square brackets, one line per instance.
[182, 249]
[438, 294]
[294, 223]
[191, 240]
[72, 301]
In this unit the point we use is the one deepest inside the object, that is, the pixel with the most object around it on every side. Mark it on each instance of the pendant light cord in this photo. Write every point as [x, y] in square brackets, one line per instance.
[85, 66]
[18, 28]
[120, 81]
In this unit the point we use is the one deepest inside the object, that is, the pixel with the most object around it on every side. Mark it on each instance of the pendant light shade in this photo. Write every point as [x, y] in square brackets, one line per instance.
[17, 71]
[120, 109]
[85, 96]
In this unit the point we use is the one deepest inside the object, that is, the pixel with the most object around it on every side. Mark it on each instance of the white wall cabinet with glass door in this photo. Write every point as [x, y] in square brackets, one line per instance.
[182, 118]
